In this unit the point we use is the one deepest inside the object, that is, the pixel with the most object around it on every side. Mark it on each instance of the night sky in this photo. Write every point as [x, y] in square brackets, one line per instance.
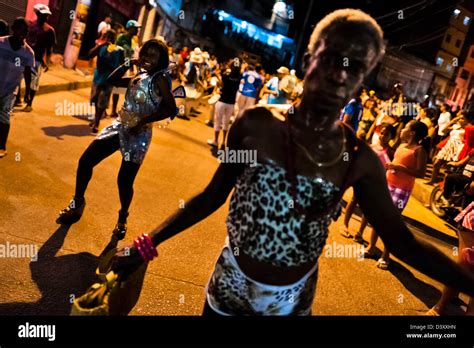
[423, 21]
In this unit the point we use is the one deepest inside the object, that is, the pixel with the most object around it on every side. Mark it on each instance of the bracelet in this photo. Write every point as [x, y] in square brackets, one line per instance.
[145, 247]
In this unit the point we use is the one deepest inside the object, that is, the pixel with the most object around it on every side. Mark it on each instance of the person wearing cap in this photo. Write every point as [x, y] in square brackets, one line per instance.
[41, 38]
[192, 68]
[125, 40]
[275, 89]
[13, 46]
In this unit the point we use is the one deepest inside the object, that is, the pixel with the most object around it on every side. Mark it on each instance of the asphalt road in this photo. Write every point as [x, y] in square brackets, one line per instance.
[37, 180]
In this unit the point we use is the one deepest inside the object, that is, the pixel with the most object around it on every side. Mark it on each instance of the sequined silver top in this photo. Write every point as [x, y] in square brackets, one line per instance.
[140, 101]
[263, 223]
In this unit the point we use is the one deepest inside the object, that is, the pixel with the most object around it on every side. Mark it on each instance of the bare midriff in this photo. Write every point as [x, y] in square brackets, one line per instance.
[267, 273]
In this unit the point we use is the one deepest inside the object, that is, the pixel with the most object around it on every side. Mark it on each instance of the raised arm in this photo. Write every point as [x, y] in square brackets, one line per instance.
[115, 78]
[374, 198]
[94, 51]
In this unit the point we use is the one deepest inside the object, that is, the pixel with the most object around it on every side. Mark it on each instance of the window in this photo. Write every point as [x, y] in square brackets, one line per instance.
[458, 43]
[449, 67]
[448, 37]
[439, 61]
[466, 20]
[464, 74]
[456, 13]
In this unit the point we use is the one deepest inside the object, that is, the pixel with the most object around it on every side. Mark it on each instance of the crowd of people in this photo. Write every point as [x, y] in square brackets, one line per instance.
[301, 156]
[229, 86]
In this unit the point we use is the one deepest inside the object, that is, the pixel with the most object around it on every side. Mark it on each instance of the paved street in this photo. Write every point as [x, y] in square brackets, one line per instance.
[37, 180]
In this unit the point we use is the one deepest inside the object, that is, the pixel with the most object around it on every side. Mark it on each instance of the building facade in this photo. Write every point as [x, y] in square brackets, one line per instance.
[448, 57]
[464, 83]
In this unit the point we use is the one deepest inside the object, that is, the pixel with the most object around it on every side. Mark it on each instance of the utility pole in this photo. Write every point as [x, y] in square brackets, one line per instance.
[78, 27]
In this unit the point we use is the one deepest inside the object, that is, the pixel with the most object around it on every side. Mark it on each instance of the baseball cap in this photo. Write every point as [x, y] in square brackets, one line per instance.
[283, 70]
[41, 8]
[133, 23]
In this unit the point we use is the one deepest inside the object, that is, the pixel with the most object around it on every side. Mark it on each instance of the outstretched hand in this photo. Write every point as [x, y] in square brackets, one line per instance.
[126, 261]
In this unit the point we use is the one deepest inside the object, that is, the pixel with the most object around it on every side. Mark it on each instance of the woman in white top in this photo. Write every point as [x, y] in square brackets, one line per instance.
[451, 150]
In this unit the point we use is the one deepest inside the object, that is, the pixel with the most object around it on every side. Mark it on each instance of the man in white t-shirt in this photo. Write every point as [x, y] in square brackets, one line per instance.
[104, 26]
[16, 60]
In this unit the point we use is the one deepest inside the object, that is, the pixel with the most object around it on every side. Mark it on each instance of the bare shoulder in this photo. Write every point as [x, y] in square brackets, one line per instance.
[257, 122]
[258, 118]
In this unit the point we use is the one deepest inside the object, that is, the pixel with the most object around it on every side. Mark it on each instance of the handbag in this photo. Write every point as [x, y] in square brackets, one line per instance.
[112, 295]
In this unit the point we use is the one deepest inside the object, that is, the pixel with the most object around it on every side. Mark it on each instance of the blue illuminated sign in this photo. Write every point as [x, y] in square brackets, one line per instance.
[265, 36]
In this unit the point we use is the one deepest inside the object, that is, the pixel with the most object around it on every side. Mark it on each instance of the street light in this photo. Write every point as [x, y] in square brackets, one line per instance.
[279, 7]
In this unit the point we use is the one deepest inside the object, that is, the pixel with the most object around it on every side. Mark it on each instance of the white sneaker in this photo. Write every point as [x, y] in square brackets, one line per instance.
[3, 153]
[211, 142]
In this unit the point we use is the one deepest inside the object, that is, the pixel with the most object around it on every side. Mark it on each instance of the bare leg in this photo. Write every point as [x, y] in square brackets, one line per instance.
[373, 241]
[115, 99]
[436, 168]
[466, 239]
[363, 225]
[224, 138]
[349, 211]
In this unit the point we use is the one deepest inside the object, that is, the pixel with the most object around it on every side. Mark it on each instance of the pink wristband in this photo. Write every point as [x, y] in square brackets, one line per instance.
[145, 247]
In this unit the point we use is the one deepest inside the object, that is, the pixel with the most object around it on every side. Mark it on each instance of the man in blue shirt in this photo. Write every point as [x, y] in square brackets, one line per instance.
[276, 89]
[251, 84]
[352, 113]
[109, 58]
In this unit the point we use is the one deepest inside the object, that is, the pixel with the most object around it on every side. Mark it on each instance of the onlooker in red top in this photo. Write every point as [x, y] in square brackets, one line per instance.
[184, 55]
[468, 142]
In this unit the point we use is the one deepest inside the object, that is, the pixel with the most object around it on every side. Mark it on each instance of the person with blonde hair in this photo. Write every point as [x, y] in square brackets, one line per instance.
[281, 207]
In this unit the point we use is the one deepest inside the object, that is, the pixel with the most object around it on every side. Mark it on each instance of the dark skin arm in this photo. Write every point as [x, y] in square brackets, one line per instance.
[347, 119]
[95, 50]
[370, 186]
[115, 78]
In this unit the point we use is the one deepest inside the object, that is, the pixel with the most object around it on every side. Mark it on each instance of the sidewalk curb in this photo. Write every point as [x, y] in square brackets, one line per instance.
[422, 192]
[67, 86]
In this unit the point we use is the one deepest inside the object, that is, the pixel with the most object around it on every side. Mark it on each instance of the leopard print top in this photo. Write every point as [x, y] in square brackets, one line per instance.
[263, 223]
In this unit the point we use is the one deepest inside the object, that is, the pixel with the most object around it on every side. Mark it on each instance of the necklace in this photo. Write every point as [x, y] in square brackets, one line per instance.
[324, 164]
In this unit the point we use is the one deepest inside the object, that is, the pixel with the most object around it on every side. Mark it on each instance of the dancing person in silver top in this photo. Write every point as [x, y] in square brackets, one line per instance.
[148, 99]
[281, 209]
